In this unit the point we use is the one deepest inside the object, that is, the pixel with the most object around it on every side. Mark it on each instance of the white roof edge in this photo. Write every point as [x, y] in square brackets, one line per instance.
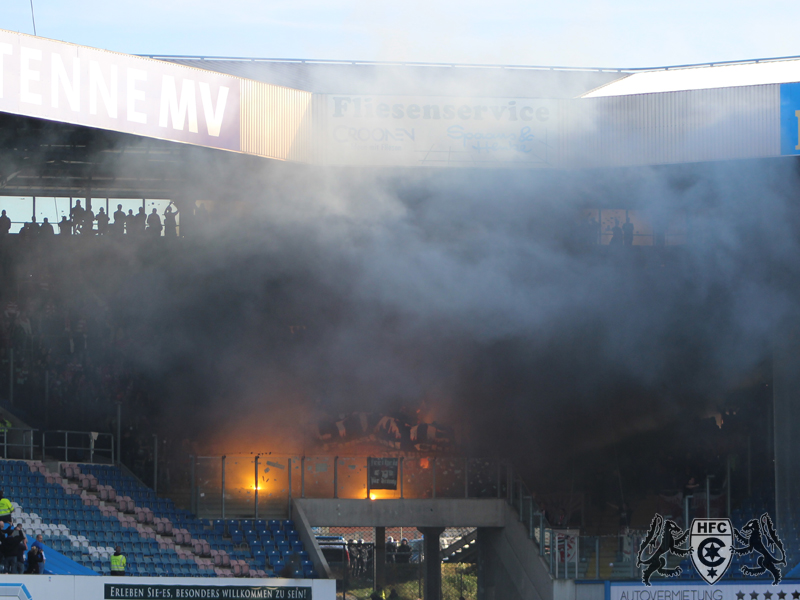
[702, 77]
[606, 84]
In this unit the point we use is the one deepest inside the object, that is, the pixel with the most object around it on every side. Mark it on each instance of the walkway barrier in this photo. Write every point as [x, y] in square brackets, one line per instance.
[79, 446]
[252, 486]
[17, 443]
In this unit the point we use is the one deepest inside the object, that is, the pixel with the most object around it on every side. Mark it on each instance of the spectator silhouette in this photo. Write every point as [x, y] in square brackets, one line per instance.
[119, 220]
[36, 560]
[140, 220]
[76, 214]
[130, 223]
[46, 228]
[154, 223]
[170, 223]
[5, 224]
[102, 222]
[11, 542]
[616, 234]
[391, 549]
[64, 226]
[88, 222]
[627, 232]
[403, 552]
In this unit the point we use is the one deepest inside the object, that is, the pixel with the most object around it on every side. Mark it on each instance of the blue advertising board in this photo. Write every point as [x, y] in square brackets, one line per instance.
[790, 118]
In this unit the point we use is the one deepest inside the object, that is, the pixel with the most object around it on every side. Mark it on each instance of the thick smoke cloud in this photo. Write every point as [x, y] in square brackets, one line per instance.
[469, 291]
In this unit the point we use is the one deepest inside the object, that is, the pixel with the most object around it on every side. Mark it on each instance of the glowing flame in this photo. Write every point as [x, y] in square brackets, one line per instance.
[372, 496]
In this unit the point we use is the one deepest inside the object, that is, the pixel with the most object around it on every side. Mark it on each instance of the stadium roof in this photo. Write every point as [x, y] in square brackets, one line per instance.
[427, 79]
[703, 77]
[75, 118]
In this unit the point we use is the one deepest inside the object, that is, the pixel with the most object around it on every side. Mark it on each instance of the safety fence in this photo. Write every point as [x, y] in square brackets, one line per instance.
[571, 555]
[69, 446]
[259, 486]
[17, 442]
[79, 446]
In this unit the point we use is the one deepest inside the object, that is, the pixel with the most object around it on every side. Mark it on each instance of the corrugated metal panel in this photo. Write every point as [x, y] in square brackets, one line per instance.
[276, 121]
[392, 79]
[319, 106]
[675, 127]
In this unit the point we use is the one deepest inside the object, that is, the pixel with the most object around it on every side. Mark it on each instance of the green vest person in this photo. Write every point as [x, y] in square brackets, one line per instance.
[5, 509]
[5, 425]
[118, 563]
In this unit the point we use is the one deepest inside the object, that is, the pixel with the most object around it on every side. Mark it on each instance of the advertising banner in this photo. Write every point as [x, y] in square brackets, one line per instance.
[725, 590]
[790, 118]
[440, 131]
[85, 86]
[68, 587]
[383, 473]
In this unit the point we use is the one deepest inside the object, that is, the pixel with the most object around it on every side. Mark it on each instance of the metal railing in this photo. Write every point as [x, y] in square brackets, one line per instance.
[252, 486]
[721, 63]
[249, 486]
[85, 446]
[17, 443]
[571, 555]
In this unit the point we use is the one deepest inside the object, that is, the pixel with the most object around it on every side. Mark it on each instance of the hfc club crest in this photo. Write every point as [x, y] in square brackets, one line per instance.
[710, 542]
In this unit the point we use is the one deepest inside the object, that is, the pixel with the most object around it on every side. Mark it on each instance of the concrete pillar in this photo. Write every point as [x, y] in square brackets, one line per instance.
[433, 563]
[380, 557]
[786, 421]
[486, 582]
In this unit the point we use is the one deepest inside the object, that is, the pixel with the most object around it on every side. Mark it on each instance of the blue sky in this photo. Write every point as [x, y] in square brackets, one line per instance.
[594, 33]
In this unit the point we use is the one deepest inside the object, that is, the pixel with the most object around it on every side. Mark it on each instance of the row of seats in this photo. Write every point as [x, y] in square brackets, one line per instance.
[46, 508]
[248, 547]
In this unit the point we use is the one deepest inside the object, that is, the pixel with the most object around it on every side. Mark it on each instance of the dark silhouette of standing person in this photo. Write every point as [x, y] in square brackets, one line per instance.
[130, 223]
[170, 223]
[627, 232]
[154, 223]
[88, 222]
[616, 234]
[46, 229]
[119, 220]
[139, 220]
[64, 226]
[102, 222]
[76, 216]
[5, 224]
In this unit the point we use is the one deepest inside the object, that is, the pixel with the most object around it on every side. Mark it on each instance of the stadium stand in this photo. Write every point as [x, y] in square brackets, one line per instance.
[87, 509]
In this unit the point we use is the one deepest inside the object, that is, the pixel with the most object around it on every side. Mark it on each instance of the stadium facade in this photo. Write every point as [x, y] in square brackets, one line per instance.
[361, 114]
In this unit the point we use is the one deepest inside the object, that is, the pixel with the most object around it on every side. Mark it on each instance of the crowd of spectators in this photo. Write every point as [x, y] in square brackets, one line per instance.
[16, 557]
[82, 220]
[66, 353]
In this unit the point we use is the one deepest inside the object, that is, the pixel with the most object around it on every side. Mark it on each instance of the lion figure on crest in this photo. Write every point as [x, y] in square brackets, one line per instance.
[663, 537]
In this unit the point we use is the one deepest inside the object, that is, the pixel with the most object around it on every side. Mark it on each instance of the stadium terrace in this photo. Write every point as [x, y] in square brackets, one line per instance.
[310, 329]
